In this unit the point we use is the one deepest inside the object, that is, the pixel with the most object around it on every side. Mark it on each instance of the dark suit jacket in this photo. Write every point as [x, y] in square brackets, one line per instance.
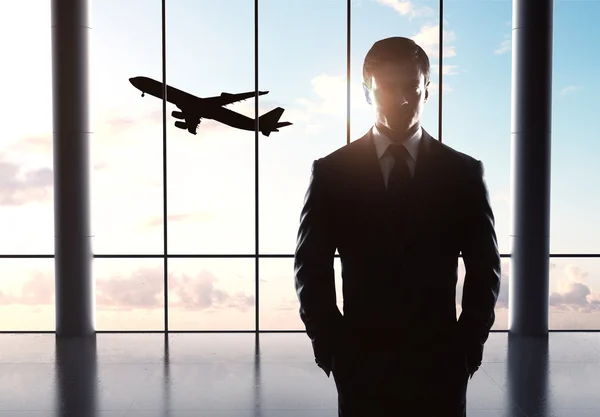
[399, 280]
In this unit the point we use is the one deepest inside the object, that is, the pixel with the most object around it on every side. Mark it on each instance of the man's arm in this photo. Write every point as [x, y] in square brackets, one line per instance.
[314, 273]
[482, 265]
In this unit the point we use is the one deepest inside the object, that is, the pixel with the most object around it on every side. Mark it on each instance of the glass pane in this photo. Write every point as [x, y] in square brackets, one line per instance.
[27, 295]
[305, 73]
[477, 92]
[211, 294]
[279, 305]
[417, 20]
[26, 165]
[126, 188]
[574, 294]
[575, 125]
[211, 181]
[129, 294]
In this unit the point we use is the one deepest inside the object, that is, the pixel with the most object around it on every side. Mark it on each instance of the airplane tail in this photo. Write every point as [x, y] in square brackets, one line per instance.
[269, 122]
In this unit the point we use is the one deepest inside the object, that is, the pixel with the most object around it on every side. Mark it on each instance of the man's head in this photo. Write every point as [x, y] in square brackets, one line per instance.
[395, 81]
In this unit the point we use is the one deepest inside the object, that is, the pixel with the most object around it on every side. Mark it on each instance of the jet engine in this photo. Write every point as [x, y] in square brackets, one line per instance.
[180, 124]
[178, 114]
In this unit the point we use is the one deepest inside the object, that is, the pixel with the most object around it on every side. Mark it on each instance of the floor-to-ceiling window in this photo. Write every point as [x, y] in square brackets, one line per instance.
[211, 175]
[575, 197]
[26, 178]
[476, 114]
[219, 249]
[126, 155]
[302, 63]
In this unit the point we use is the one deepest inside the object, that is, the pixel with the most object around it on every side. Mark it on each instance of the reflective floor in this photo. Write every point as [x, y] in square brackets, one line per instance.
[274, 375]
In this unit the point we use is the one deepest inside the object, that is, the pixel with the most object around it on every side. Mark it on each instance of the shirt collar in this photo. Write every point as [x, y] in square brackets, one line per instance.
[411, 144]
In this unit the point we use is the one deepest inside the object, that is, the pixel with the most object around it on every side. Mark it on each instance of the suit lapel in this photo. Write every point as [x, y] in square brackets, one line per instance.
[370, 178]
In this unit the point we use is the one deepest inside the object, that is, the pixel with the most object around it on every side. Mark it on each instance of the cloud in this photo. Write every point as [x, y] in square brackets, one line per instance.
[287, 304]
[570, 89]
[447, 69]
[37, 290]
[407, 8]
[505, 46]
[428, 39]
[574, 294]
[143, 289]
[99, 166]
[332, 93]
[329, 99]
[19, 186]
[199, 292]
[434, 87]
[182, 217]
[38, 144]
[113, 124]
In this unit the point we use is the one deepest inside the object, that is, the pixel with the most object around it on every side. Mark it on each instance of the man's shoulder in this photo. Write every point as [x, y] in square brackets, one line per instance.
[346, 153]
[456, 157]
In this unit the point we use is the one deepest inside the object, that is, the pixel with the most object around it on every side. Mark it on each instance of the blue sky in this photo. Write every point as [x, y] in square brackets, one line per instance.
[302, 62]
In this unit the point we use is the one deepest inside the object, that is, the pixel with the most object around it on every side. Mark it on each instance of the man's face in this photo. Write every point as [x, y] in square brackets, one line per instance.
[397, 95]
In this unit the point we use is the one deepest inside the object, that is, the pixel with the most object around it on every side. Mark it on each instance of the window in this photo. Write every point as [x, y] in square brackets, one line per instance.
[574, 228]
[279, 305]
[27, 295]
[305, 73]
[211, 181]
[476, 112]
[575, 125]
[574, 294]
[26, 166]
[211, 294]
[126, 148]
[129, 294]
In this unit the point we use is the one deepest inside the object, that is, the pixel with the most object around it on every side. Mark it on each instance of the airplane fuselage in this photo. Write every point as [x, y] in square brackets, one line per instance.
[197, 106]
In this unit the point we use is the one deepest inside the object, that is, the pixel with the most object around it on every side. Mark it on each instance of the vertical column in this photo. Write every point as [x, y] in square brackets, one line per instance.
[530, 166]
[71, 126]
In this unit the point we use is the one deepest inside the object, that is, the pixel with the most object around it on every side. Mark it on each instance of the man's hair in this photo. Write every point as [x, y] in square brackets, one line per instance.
[394, 50]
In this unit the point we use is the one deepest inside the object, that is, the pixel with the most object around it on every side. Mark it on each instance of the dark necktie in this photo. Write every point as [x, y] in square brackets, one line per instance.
[400, 179]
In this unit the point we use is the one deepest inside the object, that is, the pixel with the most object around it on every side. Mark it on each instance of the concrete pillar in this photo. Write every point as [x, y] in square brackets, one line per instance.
[530, 166]
[75, 291]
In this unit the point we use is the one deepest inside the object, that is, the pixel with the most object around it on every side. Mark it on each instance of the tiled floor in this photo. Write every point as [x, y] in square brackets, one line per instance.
[238, 375]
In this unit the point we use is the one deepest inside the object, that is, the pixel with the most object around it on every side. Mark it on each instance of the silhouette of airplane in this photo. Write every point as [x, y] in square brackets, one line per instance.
[193, 108]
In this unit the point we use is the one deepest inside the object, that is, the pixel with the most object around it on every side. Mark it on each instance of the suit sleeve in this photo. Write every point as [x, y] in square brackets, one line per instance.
[482, 264]
[314, 272]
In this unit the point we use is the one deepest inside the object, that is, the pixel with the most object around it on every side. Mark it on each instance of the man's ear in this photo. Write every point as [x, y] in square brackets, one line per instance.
[367, 92]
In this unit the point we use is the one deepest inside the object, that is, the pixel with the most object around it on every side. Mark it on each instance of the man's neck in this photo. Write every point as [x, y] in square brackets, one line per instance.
[396, 136]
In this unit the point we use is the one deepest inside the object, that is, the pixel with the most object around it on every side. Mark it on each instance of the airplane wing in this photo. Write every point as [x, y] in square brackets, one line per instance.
[228, 98]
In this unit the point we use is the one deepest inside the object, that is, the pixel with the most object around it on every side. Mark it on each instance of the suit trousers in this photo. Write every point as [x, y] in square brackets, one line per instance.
[376, 382]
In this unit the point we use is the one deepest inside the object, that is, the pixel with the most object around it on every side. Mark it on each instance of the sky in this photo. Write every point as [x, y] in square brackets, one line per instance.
[210, 176]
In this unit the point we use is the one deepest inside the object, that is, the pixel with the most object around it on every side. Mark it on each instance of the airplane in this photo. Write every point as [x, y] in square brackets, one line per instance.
[193, 108]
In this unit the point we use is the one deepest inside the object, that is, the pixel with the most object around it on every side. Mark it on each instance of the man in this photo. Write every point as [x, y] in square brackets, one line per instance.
[400, 207]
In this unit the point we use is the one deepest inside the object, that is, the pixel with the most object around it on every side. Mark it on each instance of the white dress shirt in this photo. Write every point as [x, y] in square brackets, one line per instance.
[386, 160]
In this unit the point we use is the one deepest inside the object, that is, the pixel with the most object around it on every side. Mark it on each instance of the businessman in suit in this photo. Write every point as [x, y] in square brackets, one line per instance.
[400, 207]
